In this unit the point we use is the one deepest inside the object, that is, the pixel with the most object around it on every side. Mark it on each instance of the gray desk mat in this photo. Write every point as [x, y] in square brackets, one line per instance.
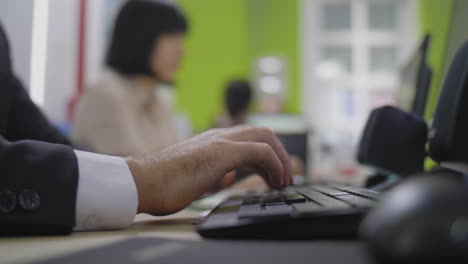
[161, 251]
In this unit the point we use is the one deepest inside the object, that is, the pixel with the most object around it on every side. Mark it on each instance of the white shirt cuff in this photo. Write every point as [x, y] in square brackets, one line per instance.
[107, 197]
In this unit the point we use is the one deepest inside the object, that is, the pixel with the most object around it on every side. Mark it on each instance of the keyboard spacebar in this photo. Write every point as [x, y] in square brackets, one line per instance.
[256, 211]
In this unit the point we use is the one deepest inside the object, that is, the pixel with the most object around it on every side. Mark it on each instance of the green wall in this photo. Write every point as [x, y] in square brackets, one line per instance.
[216, 51]
[225, 38]
[435, 18]
[274, 30]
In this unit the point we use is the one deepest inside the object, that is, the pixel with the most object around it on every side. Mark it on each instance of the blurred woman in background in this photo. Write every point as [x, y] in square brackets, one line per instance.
[122, 114]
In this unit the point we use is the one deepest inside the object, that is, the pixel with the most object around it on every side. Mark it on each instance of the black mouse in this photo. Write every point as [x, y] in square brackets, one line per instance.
[423, 220]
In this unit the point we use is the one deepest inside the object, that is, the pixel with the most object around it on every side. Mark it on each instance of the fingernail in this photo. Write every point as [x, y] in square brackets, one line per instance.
[281, 181]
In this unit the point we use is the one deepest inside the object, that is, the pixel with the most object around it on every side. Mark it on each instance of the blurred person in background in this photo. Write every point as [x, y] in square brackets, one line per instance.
[122, 114]
[237, 99]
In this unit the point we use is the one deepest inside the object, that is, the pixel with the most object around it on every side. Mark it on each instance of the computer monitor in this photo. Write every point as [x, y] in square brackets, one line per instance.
[457, 33]
[447, 142]
[415, 79]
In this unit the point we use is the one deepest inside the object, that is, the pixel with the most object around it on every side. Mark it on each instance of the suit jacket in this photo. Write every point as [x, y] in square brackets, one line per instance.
[38, 168]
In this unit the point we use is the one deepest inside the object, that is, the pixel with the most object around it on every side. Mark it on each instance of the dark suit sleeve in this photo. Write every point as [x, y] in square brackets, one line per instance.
[38, 184]
[38, 180]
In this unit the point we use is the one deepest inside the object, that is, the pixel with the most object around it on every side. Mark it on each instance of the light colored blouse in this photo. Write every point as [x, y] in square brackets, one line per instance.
[117, 116]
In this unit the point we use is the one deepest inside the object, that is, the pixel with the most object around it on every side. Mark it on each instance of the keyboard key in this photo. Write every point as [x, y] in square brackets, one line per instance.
[294, 198]
[329, 190]
[322, 199]
[250, 210]
[272, 199]
[357, 201]
[359, 191]
[256, 211]
[313, 208]
[277, 210]
[252, 200]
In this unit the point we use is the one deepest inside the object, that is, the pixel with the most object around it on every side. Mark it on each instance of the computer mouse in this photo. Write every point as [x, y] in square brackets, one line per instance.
[422, 220]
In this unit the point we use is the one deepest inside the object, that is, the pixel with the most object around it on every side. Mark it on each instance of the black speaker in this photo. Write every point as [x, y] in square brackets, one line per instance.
[448, 136]
[394, 141]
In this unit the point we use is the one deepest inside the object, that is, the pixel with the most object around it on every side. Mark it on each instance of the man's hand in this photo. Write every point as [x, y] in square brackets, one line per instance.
[169, 180]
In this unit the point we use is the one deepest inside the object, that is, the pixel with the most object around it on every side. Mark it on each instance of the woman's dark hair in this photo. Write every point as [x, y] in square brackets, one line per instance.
[138, 24]
[238, 97]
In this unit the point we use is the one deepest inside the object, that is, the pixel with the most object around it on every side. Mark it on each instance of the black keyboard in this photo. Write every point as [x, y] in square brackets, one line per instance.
[322, 211]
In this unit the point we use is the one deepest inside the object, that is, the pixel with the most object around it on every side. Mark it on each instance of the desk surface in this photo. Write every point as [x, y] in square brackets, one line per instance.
[25, 249]
[177, 226]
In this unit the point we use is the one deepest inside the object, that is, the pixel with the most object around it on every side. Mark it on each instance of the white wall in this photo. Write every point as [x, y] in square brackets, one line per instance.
[62, 55]
[16, 18]
[61, 49]
[95, 40]
[100, 19]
